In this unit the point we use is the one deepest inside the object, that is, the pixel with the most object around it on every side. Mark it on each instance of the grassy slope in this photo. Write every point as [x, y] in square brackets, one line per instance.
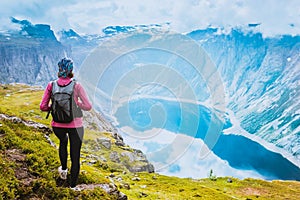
[41, 159]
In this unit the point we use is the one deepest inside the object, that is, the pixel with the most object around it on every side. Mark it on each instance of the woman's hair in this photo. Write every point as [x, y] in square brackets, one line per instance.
[65, 67]
[70, 75]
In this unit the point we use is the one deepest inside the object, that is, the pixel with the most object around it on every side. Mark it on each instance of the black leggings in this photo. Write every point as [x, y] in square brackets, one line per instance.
[76, 136]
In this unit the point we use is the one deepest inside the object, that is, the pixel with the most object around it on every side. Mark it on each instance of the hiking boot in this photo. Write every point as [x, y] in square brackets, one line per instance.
[62, 173]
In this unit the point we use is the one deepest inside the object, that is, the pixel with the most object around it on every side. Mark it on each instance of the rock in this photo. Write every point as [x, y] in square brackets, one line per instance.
[140, 155]
[112, 175]
[125, 186]
[136, 179]
[96, 121]
[114, 157]
[119, 143]
[130, 155]
[148, 167]
[118, 138]
[93, 156]
[138, 161]
[197, 195]
[108, 188]
[96, 148]
[106, 142]
[93, 162]
[36, 125]
[92, 159]
[50, 141]
[40, 127]
[135, 156]
[119, 179]
[102, 158]
[229, 180]
[142, 194]
[16, 120]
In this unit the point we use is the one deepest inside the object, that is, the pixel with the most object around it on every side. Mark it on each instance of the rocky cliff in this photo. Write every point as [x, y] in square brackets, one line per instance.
[109, 147]
[29, 55]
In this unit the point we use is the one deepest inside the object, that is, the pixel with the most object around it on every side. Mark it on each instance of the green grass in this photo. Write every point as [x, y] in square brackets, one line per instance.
[22, 101]
[42, 161]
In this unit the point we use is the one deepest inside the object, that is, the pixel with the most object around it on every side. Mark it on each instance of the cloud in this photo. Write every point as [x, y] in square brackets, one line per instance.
[33, 10]
[275, 16]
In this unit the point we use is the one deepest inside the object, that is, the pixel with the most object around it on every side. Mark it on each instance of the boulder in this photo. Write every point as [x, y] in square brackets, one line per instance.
[141, 168]
[104, 141]
[114, 157]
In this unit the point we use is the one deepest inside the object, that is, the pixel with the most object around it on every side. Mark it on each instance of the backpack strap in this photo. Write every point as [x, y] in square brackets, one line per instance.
[63, 88]
[75, 82]
[49, 111]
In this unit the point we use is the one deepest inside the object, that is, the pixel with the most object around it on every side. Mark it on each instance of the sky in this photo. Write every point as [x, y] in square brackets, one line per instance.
[275, 17]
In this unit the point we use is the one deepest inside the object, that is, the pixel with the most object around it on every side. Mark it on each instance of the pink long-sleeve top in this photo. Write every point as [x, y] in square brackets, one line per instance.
[80, 98]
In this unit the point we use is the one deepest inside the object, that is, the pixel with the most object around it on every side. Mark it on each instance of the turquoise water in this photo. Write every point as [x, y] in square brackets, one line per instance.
[195, 121]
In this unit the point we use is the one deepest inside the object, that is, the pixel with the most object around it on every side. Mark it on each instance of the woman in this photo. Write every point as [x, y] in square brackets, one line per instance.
[73, 130]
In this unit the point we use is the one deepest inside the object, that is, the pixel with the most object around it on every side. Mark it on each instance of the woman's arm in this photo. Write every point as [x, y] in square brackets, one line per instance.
[81, 98]
[44, 105]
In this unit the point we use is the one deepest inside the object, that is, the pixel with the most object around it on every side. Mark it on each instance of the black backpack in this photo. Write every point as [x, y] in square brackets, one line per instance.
[63, 107]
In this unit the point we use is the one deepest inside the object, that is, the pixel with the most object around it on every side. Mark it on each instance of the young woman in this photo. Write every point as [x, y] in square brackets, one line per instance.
[68, 130]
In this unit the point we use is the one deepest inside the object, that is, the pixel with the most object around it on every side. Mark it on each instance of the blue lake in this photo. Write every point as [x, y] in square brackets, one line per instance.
[195, 120]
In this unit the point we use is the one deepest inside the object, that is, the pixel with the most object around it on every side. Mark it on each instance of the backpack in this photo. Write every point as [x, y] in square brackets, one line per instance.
[63, 107]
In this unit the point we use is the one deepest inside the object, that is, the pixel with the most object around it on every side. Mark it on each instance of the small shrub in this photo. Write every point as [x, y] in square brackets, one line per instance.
[211, 176]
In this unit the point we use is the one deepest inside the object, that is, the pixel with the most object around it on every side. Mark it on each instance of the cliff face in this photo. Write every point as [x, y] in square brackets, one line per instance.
[30, 55]
[259, 71]
[109, 146]
[34, 63]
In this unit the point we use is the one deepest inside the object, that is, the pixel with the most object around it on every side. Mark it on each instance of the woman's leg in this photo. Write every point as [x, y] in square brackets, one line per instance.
[76, 136]
[61, 133]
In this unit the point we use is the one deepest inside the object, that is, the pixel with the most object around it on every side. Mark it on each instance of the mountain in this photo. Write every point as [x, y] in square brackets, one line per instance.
[30, 55]
[82, 45]
[115, 30]
[261, 76]
[79, 46]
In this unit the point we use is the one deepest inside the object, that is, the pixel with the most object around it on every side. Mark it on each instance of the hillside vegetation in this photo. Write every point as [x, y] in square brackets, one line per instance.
[28, 164]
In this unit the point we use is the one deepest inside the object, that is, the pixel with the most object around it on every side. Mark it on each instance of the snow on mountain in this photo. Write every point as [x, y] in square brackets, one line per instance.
[114, 30]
